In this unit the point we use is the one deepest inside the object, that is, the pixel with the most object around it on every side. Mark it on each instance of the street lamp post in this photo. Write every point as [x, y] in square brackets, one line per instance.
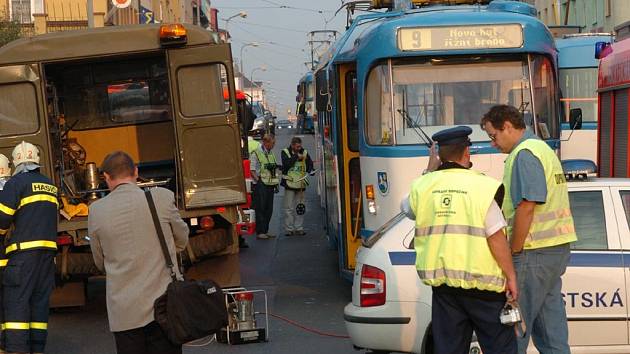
[251, 44]
[251, 77]
[242, 14]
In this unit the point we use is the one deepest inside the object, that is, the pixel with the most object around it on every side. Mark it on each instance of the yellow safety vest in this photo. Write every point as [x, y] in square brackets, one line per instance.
[552, 224]
[451, 244]
[266, 176]
[252, 145]
[297, 173]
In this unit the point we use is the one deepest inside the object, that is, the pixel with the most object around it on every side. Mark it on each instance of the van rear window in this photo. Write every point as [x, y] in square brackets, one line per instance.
[112, 93]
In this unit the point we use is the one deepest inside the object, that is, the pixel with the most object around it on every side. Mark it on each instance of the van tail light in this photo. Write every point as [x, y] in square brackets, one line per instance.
[373, 287]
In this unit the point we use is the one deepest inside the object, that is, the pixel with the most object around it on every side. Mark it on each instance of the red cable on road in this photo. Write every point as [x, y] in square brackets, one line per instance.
[307, 328]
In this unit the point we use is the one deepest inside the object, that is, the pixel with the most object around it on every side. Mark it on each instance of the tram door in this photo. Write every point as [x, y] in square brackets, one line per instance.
[349, 165]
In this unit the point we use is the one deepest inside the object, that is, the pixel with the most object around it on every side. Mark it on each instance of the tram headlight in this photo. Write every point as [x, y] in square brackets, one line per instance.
[369, 196]
[372, 207]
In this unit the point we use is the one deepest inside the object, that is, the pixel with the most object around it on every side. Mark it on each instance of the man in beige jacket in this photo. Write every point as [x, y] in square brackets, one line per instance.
[126, 247]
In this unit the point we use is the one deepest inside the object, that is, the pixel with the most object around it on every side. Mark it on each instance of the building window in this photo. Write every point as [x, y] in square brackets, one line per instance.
[21, 11]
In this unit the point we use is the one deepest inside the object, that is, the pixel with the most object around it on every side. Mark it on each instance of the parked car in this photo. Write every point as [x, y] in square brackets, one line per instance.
[264, 122]
[284, 124]
[391, 308]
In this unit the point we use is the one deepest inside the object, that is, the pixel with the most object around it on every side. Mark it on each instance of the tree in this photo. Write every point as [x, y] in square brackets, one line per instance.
[10, 30]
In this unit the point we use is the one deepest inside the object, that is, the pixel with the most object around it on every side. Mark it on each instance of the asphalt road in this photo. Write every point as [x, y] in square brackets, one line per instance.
[299, 274]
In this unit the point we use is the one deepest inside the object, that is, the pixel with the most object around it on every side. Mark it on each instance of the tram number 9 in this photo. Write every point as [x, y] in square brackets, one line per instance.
[416, 36]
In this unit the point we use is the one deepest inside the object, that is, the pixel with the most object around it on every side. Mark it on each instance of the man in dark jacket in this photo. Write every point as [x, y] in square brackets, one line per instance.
[296, 163]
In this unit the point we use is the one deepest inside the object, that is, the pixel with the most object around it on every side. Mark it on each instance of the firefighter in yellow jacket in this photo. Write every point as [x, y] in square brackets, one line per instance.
[462, 251]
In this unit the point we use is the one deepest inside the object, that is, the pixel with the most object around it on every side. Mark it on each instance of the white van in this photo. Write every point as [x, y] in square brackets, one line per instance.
[391, 307]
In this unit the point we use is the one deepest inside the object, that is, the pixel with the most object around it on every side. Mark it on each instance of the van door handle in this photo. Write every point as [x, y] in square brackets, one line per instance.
[187, 124]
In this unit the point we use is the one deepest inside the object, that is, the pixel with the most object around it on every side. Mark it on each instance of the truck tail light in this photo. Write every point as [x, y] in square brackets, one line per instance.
[206, 223]
[373, 287]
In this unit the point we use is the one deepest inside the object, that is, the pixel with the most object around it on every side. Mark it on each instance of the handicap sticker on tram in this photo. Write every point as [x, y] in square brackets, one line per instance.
[383, 185]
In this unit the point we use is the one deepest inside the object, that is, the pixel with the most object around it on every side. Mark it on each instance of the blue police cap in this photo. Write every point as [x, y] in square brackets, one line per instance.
[453, 135]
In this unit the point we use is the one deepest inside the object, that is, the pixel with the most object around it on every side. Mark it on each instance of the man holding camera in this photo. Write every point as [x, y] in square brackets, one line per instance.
[540, 229]
[264, 173]
[296, 163]
[462, 251]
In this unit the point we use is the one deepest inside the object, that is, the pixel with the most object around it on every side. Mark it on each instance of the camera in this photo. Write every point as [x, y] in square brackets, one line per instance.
[510, 315]
[271, 167]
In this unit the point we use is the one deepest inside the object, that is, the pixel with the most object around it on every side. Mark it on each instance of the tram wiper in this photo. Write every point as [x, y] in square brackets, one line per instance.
[416, 127]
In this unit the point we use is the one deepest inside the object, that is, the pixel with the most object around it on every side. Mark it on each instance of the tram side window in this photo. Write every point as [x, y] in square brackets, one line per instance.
[587, 208]
[378, 107]
[351, 111]
[18, 109]
[545, 98]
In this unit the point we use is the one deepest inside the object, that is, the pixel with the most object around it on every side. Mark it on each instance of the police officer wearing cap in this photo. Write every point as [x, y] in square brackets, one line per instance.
[461, 249]
[29, 203]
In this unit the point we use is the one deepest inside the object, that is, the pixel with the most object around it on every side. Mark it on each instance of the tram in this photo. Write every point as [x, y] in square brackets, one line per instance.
[304, 111]
[394, 78]
[577, 70]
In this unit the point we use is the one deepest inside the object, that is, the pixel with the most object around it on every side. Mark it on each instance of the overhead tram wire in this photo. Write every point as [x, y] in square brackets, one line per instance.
[272, 27]
[282, 6]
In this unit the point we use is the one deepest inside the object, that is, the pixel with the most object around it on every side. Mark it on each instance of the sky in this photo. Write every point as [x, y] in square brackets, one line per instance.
[280, 28]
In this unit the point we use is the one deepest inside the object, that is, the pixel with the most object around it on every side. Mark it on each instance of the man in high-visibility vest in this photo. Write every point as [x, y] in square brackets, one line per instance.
[29, 203]
[540, 226]
[462, 251]
[296, 163]
[265, 174]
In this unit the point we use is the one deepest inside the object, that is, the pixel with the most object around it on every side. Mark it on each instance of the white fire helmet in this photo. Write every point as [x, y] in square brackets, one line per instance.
[25, 152]
[5, 170]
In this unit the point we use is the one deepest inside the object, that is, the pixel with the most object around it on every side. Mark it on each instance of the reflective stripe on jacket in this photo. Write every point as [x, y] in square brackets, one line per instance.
[552, 224]
[451, 245]
[29, 203]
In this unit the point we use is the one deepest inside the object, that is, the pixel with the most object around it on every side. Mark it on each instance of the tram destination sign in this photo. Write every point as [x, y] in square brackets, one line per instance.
[461, 37]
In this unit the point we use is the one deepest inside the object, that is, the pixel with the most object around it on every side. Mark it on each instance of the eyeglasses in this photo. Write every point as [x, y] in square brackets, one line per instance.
[492, 137]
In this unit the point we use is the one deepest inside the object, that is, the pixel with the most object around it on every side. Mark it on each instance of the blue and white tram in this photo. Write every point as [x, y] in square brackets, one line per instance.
[396, 77]
[577, 70]
[305, 109]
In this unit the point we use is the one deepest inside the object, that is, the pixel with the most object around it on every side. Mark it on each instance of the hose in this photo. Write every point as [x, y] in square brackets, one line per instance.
[312, 330]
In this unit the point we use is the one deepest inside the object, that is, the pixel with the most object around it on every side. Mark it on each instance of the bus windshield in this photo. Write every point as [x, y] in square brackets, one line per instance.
[440, 93]
[579, 87]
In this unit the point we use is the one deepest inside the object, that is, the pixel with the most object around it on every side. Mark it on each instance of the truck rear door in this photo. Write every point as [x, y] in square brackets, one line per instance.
[21, 113]
[208, 139]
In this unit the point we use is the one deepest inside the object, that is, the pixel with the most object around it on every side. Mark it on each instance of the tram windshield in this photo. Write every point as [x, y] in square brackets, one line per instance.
[579, 91]
[440, 93]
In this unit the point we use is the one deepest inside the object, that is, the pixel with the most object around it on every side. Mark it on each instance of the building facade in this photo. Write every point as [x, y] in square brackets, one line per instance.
[595, 16]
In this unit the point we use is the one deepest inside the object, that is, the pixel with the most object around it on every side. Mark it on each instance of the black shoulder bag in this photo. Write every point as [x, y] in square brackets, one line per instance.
[188, 310]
